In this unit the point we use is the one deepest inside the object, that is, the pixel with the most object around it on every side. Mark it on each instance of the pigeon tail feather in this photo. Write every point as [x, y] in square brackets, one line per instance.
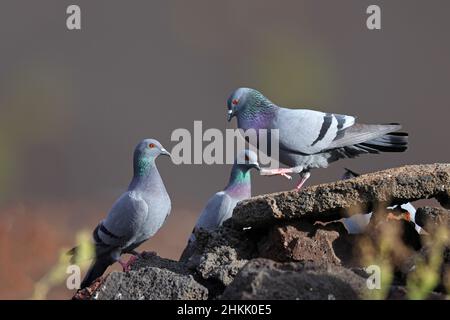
[97, 268]
[391, 142]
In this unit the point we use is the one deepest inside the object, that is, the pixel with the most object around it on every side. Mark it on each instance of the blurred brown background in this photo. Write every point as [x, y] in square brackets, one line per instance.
[73, 104]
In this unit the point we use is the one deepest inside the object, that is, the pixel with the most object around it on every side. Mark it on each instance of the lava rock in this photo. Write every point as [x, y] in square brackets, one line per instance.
[151, 259]
[315, 256]
[266, 279]
[332, 201]
[303, 241]
[150, 283]
[431, 218]
[218, 256]
[150, 277]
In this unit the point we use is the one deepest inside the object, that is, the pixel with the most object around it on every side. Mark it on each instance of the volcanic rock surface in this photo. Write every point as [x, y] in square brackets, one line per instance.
[293, 245]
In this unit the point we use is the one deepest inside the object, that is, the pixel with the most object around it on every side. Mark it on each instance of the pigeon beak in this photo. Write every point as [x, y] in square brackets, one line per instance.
[165, 152]
[230, 115]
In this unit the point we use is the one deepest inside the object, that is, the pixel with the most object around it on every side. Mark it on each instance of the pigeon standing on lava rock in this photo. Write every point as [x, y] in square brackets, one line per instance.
[311, 139]
[220, 206]
[135, 217]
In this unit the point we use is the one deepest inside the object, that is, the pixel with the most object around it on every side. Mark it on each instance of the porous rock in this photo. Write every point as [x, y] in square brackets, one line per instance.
[150, 283]
[303, 241]
[266, 279]
[431, 218]
[218, 256]
[151, 277]
[332, 201]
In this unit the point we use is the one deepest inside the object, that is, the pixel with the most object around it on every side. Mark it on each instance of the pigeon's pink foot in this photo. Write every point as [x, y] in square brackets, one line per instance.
[280, 171]
[304, 176]
[126, 266]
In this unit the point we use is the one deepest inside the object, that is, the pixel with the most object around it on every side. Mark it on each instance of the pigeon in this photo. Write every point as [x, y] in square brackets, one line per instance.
[135, 216]
[357, 223]
[220, 206]
[311, 139]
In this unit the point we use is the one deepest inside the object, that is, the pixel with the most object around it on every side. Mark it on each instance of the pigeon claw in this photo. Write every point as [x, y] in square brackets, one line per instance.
[304, 176]
[280, 171]
[286, 176]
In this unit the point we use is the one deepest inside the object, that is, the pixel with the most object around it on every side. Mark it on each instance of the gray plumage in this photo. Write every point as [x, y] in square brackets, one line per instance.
[220, 206]
[218, 209]
[312, 139]
[136, 215]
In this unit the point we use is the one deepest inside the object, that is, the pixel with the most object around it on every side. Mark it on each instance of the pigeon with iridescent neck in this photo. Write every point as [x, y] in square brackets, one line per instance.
[220, 206]
[311, 139]
[136, 215]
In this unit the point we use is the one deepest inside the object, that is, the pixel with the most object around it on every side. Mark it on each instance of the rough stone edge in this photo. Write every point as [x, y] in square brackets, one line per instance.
[339, 199]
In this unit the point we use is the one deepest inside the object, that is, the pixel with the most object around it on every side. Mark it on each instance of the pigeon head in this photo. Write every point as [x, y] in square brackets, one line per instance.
[247, 159]
[145, 154]
[246, 102]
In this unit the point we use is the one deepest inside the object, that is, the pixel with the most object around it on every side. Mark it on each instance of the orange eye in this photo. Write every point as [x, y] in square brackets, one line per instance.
[151, 145]
[235, 101]
[247, 158]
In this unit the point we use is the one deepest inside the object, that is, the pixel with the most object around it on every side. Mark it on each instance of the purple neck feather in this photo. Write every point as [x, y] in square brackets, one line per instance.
[239, 185]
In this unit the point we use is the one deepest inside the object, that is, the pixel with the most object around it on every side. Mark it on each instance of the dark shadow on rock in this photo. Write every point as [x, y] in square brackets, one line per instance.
[431, 218]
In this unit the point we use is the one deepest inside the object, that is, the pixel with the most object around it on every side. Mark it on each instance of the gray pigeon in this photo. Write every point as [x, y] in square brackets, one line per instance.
[220, 206]
[135, 216]
[311, 139]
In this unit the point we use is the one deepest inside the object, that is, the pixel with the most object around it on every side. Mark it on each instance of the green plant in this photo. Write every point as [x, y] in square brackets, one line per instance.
[58, 273]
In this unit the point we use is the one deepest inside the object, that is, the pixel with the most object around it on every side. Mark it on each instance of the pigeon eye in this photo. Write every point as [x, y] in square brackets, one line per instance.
[151, 145]
[235, 102]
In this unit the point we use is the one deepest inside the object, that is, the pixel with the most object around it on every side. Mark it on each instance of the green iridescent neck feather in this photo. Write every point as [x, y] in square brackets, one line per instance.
[256, 103]
[256, 99]
[143, 165]
[240, 178]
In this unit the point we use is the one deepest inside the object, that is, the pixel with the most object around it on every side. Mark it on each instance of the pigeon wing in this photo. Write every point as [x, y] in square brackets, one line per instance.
[217, 210]
[359, 133]
[123, 222]
[307, 131]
